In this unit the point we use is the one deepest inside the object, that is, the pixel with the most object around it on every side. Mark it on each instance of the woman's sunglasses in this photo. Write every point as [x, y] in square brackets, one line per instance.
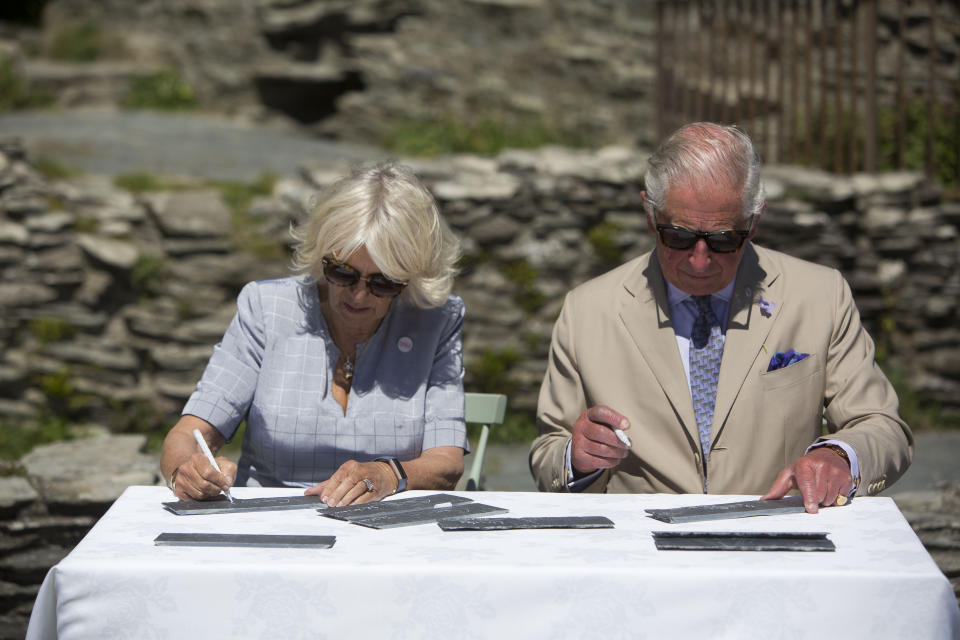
[717, 241]
[343, 275]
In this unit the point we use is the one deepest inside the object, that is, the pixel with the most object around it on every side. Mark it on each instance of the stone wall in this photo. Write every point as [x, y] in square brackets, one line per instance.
[354, 68]
[112, 301]
[57, 492]
[357, 68]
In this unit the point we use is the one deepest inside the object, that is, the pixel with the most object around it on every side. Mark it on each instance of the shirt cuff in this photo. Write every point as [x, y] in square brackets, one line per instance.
[851, 454]
[578, 485]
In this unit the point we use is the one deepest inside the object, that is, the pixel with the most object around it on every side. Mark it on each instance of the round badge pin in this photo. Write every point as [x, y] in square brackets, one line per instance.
[405, 344]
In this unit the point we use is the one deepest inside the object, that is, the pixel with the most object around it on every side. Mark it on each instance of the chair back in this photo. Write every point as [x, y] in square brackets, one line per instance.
[484, 409]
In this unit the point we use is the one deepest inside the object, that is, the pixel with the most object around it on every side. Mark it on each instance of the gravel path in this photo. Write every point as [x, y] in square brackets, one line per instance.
[112, 142]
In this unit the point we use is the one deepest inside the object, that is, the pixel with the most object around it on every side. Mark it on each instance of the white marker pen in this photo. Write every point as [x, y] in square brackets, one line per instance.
[623, 437]
[206, 451]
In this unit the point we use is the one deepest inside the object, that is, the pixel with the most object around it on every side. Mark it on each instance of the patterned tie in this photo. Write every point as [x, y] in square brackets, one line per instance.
[706, 350]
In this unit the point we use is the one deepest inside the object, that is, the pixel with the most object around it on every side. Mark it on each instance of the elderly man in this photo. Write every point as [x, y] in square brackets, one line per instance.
[711, 364]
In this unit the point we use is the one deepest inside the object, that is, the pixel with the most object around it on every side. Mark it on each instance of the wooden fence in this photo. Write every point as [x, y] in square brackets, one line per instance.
[845, 85]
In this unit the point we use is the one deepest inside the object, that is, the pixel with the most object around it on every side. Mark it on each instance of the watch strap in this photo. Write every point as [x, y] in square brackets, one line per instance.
[394, 464]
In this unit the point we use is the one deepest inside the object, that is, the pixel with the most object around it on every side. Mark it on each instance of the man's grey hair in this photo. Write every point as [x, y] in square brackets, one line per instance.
[705, 152]
[386, 209]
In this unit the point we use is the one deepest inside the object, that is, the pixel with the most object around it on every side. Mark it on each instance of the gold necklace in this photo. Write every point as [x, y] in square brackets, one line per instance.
[347, 368]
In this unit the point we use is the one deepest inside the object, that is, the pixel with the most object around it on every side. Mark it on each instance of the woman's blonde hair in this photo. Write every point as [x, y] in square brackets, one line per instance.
[385, 208]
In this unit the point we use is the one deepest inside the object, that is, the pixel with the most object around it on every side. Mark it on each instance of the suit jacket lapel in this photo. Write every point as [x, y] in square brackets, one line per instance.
[645, 313]
[747, 329]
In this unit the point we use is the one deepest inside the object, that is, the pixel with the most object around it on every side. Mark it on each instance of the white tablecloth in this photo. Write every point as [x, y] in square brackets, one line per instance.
[422, 582]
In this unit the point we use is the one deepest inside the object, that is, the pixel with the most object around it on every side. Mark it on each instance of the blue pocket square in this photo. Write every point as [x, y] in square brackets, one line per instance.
[781, 360]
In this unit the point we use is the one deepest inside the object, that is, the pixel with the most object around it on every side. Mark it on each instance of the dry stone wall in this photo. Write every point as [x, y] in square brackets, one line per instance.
[110, 303]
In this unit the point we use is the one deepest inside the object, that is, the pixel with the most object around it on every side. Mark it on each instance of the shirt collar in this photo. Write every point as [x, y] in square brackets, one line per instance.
[676, 296]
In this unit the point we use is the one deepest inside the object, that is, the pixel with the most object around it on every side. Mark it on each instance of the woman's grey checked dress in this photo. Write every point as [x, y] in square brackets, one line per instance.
[274, 367]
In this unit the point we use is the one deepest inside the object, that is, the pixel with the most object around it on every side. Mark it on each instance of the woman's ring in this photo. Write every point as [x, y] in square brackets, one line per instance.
[368, 484]
[841, 500]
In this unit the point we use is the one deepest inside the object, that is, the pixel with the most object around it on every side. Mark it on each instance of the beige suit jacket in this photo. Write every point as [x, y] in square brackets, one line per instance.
[614, 345]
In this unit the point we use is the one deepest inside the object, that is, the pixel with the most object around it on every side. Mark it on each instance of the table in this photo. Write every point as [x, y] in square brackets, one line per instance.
[420, 582]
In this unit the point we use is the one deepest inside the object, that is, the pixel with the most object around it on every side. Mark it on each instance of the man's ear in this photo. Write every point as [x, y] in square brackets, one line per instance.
[756, 221]
[646, 214]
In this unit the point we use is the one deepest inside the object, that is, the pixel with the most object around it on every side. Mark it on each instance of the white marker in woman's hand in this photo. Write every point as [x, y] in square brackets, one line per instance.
[209, 454]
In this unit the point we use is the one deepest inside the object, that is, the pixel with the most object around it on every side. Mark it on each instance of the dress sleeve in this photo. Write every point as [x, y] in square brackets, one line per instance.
[444, 402]
[225, 392]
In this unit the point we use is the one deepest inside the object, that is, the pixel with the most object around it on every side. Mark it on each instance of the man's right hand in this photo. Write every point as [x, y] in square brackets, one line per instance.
[595, 445]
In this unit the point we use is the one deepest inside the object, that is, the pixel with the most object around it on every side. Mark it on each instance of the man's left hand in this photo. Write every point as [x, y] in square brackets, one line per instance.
[821, 476]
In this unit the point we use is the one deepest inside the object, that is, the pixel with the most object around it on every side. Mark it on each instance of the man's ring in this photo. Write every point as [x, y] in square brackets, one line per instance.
[368, 484]
[841, 500]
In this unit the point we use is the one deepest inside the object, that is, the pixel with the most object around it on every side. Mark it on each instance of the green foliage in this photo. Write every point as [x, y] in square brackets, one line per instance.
[470, 261]
[490, 372]
[919, 413]
[489, 135]
[15, 91]
[946, 136]
[246, 229]
[534, 342]
[47, 330]
[18, 437]
[140, 417]
[138, 182]
[86, 224]
[603, 239]
[63, 400]
[54, 169]
[518, 426]
[528, 297]
[838, 128]
[77, 42]
[162, 90]
[148, 275]
[238, 195]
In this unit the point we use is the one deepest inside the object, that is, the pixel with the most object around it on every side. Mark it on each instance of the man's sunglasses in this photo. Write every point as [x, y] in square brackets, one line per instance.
[343, 275]
[717, 241]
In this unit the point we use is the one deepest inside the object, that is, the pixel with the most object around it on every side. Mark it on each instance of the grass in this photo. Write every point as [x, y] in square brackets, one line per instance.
[47, 330]
[82, 42]
[148, 275]
[162, 90]
[15, 92]
[528, 297]
[518, 427]
[486, 136]
[17, 438]
[603, 240]
[140, 182]
[54, 169]
[246, 230]
[918, 413]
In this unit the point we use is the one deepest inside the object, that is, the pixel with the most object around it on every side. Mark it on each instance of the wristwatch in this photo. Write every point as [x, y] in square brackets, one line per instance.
[397, 469]
[840, 451]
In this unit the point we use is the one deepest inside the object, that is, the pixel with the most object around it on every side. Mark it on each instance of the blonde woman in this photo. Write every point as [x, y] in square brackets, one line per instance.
[349, 375]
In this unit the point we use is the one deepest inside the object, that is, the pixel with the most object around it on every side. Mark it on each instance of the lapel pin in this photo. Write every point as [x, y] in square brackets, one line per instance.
[766, 307]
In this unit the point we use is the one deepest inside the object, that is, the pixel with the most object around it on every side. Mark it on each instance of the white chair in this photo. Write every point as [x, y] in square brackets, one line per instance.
[484, 409]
